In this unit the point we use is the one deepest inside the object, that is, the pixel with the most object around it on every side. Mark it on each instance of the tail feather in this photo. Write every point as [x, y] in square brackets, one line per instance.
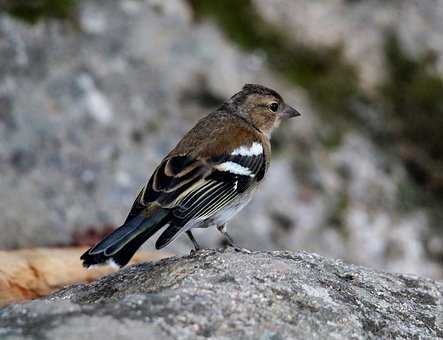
[169, 235]
[122, 243]
[130, 227]
[118, 245]
[126, 253]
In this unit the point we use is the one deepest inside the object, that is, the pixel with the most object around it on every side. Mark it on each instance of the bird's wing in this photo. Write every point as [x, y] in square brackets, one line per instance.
[231, 175]
[175, 175]
[198, 187]
[209, 186]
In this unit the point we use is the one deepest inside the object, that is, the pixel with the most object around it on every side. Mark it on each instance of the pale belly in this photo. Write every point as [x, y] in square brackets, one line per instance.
[229, 212]
[224, 215]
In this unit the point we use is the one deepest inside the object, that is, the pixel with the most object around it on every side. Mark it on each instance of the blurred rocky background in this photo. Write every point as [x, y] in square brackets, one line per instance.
[93, 94]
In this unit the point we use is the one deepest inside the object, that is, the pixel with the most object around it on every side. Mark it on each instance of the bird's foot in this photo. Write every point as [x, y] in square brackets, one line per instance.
[194, 251]
[242, 250]
[194, 242]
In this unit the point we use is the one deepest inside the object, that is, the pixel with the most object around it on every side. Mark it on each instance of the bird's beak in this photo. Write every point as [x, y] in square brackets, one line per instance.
[289, 112]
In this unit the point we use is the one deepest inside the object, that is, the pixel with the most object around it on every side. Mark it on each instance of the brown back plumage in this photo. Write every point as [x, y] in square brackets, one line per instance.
[218, 133]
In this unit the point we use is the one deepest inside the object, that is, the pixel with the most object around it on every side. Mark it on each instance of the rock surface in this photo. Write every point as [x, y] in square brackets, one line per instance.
[227, 294]
[418, 25]
[30, 273]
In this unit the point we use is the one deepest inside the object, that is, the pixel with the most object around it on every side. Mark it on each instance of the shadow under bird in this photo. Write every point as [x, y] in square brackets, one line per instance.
[208, 177]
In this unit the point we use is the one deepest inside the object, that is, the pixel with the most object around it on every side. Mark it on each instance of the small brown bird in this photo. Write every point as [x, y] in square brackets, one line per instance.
[205, 180]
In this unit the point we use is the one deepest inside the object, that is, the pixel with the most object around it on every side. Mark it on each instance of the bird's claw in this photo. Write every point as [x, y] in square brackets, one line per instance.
[194, 251]
[242, 250]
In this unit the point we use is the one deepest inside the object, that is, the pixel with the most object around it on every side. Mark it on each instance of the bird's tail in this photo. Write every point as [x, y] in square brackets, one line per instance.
[119, 246]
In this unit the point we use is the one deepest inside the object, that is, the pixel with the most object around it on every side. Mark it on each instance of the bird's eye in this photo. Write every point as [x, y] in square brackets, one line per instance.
[273, 107]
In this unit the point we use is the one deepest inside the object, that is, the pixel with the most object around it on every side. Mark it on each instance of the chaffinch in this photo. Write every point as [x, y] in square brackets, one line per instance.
[205, 180]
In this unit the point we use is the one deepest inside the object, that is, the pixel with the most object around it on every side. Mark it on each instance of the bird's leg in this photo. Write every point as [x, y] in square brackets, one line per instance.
[222, 229]
[194, 242]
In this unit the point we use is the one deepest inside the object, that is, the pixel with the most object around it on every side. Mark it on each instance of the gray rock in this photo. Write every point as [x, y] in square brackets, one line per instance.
[360, 27]
[223, 294]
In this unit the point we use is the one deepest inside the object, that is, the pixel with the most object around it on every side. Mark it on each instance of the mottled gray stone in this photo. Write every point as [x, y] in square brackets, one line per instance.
[224, 294]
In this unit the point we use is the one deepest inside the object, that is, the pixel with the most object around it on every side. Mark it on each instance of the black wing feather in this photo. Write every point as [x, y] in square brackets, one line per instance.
[206, 196]
[196, 190]
[173, 176]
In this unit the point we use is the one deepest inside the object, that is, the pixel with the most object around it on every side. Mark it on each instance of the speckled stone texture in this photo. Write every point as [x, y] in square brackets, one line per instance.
[223, 294]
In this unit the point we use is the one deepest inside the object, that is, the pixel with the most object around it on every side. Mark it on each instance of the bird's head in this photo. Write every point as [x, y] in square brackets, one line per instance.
[261, 106]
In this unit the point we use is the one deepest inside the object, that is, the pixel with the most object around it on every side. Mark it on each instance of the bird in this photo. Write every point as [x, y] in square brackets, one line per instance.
[206, 179]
